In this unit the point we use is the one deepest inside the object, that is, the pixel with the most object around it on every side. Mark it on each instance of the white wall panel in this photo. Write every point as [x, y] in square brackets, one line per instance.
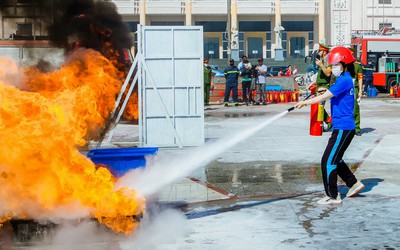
[172, 106]
[184, 74]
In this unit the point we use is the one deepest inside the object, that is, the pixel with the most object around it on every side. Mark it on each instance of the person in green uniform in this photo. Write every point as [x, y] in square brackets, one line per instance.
[207, 82]
[358, 86]
[323, 81]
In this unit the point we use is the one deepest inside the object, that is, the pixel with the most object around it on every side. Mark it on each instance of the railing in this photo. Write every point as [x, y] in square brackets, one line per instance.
[256, 6]
[127, 7]
[209, 6]
[165, 7]
[299, 7]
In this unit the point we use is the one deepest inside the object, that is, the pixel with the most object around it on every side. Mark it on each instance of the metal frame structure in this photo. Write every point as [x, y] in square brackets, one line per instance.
[171, 105]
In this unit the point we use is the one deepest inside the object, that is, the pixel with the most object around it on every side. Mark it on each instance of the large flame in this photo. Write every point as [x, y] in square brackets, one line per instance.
[42, 174]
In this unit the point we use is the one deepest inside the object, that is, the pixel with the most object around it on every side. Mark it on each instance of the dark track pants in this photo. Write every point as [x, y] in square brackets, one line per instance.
[332, 164]
[246, 91]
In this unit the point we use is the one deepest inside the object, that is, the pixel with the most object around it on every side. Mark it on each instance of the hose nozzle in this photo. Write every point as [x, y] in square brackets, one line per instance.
[291, 109]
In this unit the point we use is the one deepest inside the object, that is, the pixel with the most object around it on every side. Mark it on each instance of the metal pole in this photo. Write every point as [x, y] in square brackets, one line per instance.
[373, 15]
[111, 120]
[228, 29]
[121, 111]
[383, 16]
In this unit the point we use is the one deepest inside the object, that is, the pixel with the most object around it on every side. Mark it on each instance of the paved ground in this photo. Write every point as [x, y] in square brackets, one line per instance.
[278, 182]
[262, 192]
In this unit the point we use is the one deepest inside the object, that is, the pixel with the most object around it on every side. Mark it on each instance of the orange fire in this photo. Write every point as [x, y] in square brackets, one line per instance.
[42, 122]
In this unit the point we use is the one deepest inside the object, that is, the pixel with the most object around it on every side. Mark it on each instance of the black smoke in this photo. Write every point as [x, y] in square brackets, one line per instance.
[90, 24]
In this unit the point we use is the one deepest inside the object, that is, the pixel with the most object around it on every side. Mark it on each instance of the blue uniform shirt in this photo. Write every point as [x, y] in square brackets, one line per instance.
[342, 103]
[231, 74]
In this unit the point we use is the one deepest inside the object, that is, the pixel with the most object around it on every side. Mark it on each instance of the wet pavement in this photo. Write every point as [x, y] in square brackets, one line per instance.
[262, 192]
[273, 180]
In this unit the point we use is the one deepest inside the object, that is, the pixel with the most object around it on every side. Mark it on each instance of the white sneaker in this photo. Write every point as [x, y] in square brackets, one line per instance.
[355, 189]
[327, 200]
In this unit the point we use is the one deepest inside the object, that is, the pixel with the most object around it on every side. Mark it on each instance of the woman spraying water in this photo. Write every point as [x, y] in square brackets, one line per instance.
[342, 105]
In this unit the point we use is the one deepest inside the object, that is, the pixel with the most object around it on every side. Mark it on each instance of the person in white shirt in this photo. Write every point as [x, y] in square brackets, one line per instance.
[241, 64]
[261, 82]
[294, 70]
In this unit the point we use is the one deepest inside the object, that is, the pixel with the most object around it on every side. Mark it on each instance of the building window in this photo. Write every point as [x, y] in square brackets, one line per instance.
[212, 26]
[132, 26]
[385, 1]
[254, 26]
[298, 25]
[211, 47]
[24, 29]
[167, 23]
[24, 2]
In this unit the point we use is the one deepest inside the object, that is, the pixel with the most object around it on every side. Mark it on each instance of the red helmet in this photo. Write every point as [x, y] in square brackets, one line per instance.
[340, 54]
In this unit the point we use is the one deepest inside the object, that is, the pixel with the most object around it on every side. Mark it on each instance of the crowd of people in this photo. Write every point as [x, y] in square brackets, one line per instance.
[252, 77]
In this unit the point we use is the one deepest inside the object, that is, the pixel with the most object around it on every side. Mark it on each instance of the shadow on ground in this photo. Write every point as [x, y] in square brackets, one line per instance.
[370, 184]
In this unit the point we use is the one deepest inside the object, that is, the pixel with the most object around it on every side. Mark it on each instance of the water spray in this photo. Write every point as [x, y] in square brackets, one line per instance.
[166, 170]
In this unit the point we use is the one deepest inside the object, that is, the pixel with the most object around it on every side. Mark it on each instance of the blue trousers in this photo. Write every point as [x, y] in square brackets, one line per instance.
[231, 87]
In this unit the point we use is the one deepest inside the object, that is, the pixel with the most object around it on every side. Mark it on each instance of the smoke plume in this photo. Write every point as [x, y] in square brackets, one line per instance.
[95, 25]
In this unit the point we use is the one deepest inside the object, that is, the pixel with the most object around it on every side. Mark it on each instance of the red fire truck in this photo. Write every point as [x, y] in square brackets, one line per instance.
[384, 53]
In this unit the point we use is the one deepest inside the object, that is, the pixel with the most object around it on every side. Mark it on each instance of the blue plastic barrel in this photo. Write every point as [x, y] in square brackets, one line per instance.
[372, 92]
[121, 160]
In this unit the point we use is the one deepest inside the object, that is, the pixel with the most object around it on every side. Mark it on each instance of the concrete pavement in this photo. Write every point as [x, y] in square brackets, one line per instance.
[273, 180]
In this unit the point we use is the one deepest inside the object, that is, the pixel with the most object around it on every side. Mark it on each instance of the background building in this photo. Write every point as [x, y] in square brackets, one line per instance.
[251, 25]
[354, 17]
[25, 19]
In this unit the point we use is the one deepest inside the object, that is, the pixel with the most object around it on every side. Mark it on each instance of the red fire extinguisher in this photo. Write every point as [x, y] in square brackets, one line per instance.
[289, 96]
[277, 96]
[391, 92]
[395, 91]
[316, 117]
[295, 96]
[282, 97]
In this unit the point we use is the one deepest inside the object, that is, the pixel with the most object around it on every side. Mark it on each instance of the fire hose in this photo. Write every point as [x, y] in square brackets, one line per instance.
[292, 108]
[316, 114]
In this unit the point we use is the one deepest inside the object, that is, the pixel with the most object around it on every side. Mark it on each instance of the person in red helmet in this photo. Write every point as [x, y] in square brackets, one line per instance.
[342, 107]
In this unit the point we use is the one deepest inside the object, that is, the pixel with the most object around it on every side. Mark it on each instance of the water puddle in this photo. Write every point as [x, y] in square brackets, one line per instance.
[263, 178]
